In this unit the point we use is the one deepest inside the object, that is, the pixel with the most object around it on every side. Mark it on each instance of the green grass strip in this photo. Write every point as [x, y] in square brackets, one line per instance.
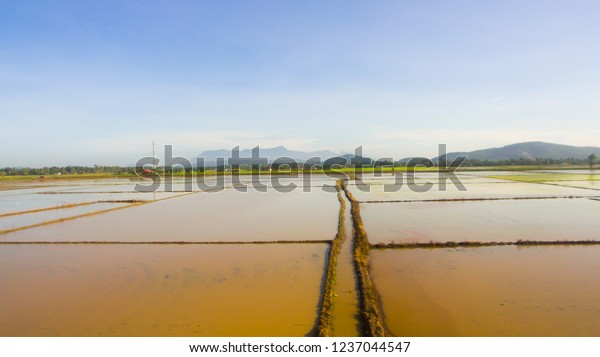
[472, 244]
[370, 314]
[325, 326]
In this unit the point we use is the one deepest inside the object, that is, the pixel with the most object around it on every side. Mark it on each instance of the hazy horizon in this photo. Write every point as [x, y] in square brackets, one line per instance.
[96, 83]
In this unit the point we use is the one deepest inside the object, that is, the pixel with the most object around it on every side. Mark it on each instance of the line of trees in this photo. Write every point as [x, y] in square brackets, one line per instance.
[69, 170]
[531, 162]
[120, 170]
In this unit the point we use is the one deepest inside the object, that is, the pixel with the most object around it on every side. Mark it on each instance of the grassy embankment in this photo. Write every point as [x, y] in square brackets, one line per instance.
[370, 315]
[555, 179]
[325, 326]
[129, 203]
[541, 178]
[65, 206]
[170, 242]
[16, 229]
[476, 199]
[430, 245]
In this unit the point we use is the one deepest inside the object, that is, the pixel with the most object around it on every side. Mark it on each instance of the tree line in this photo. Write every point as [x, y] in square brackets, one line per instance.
[68, 170]
[590, 160]
[121, 170]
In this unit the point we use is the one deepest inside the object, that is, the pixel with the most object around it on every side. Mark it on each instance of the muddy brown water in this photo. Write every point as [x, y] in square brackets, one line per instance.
[491, 291]
[26, 219]
[224, 216]
[473, 190]
[173, 290]
[486, 221]
[36, 195]
[24, 202]
[274, 290]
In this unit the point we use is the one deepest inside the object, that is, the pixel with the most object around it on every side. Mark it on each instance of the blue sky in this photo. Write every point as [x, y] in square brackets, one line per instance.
[94, 82]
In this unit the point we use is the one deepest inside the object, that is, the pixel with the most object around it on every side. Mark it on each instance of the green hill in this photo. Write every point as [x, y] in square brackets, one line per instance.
[528, 151]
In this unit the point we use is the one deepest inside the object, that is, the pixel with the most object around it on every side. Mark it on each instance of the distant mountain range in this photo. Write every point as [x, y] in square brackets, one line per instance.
[279, 152]
[529, 151]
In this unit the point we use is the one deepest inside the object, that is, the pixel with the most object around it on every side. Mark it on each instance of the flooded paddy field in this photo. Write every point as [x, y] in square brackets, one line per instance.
[226, 216]
[573, 172]
[553, 178]
[490, 291]
[98, 258]
[501, 290]
[10, 221]
[106, 289]
[482, 221]
[58, 194]
[472, 191]
[402, 180]
[31, 202]
[166, 290]
[589, 185]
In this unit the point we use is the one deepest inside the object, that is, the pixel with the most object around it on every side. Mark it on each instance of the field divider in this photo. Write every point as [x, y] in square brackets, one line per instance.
[166, 242]
[59, 220]
[104, 192]
[552, 182]
[64, 206]
[325, 325]
[481, 199]
[432, 245]
[371, 317]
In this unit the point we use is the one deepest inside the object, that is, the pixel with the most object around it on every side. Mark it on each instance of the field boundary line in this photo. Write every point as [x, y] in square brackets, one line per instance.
[469, 244]
[370, 312]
